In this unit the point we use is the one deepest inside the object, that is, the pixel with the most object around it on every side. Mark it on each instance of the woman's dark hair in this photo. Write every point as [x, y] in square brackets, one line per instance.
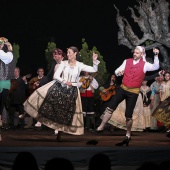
[75, 49]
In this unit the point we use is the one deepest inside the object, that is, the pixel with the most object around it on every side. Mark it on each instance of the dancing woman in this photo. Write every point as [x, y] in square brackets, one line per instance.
[7, 66]
[58, 104]
[162, 111]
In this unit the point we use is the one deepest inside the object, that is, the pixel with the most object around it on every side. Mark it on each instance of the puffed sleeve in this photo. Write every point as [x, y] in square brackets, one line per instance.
[6, 57]
[91, 69]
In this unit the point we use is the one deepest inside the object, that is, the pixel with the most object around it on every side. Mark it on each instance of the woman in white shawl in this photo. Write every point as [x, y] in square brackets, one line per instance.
[58, 104]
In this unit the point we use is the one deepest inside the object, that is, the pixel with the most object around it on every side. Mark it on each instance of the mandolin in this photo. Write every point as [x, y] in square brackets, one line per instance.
[15, 83]
[88, 81]
[107, 93]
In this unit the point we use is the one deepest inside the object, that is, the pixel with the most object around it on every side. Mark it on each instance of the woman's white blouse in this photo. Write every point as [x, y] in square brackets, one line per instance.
[66, 73]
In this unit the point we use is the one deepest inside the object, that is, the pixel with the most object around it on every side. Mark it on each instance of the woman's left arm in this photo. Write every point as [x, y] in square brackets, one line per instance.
[95, 64]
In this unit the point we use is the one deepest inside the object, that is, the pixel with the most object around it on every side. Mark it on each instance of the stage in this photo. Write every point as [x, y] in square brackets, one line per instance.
[144, 146]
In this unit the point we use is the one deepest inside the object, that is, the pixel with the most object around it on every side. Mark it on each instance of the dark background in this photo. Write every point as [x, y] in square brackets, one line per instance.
[32, 24]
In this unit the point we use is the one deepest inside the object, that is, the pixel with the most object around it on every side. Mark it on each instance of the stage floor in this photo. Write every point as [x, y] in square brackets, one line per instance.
[144, 146]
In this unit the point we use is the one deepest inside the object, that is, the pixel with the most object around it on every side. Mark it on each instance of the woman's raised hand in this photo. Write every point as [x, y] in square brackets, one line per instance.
[95, 56]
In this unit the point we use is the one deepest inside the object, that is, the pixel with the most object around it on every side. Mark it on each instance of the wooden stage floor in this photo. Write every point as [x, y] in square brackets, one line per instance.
[46, 138]
[144, 146]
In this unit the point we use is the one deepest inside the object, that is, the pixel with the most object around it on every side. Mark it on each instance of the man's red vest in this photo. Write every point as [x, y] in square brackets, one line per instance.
[133, 74]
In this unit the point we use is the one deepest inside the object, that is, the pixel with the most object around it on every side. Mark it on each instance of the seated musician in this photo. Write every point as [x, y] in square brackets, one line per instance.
[37, 81]
[106, 92]
[34, 84]
[17, 96]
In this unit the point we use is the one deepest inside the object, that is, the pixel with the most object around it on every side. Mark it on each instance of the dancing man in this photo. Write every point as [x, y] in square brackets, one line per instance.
[6, 73]
[133, 71]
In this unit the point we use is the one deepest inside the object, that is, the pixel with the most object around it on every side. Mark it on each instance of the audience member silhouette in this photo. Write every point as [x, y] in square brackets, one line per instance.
[25, 161]
[59, 164]
[149, 166]
[99, 161]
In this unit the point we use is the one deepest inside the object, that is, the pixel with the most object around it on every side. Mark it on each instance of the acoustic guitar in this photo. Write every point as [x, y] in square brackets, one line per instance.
[106, 94]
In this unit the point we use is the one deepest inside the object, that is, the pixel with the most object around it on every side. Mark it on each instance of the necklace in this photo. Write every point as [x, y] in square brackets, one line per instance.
[72, 63]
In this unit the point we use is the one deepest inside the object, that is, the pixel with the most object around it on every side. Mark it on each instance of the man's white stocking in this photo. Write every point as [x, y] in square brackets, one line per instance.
[107, 115]
[129, 123]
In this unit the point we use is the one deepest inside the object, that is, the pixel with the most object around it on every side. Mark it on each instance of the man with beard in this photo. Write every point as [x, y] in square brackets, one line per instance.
[133, 71]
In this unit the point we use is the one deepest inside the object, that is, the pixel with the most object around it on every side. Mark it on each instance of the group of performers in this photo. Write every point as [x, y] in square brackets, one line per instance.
[60, 103]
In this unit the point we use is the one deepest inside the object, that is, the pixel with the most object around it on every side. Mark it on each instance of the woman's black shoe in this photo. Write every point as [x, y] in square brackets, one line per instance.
[99, 131]
[58, 138]
[92, 142]
[124, 142]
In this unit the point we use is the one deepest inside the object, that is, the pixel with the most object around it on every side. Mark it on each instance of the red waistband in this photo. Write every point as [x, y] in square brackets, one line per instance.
[87, 93]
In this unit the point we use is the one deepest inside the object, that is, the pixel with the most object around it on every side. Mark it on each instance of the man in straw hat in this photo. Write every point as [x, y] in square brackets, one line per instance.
[6, 73]
[133, 71]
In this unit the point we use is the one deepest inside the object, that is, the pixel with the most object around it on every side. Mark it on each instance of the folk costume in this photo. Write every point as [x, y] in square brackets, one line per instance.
[162, 111]
[57, 105]
[146, 94]
[87, 99]
[118, 118]
[7, 66]
[134, 72]
[155, 100]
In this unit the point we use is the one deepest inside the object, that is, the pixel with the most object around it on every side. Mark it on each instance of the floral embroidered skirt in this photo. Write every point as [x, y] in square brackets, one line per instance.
[162, 112]
[57, 107]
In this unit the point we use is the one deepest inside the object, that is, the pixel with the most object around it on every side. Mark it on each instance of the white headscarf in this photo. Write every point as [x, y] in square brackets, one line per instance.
[142, 50]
